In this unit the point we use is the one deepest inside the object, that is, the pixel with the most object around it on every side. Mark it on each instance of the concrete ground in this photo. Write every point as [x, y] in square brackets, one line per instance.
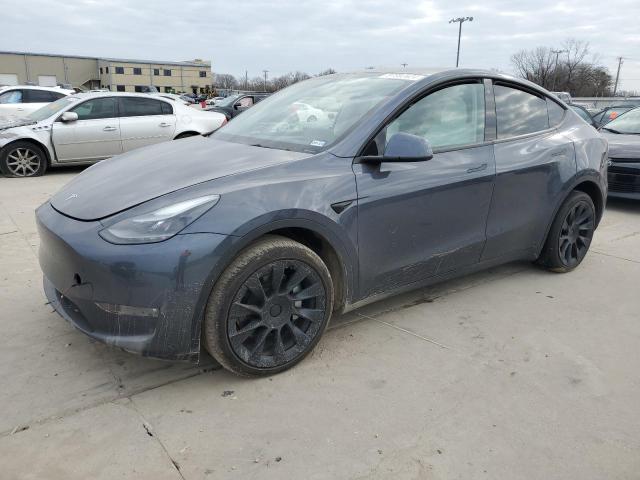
[514, 373]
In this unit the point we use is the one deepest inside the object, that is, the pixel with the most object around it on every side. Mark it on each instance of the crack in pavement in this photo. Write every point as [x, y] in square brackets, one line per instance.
[614, 256]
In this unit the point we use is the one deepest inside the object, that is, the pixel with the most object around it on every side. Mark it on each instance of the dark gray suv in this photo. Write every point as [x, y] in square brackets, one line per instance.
[248, 241]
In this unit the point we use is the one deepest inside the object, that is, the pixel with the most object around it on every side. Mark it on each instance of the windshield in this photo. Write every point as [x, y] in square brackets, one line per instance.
[227, 102]
[628, 123]
[312, 115]
[50, 109]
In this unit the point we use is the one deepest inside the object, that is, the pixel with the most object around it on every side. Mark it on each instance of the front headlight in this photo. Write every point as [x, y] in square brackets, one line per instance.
[160, 224]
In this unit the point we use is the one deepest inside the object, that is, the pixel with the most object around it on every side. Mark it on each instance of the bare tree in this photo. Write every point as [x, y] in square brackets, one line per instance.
[328, 71]
[577, 71]
[225, 81]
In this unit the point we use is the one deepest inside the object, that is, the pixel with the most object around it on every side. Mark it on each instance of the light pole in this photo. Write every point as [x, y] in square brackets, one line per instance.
[555, 70]
[460, 20]
[615, 87]
[404, 65]
[265, 79]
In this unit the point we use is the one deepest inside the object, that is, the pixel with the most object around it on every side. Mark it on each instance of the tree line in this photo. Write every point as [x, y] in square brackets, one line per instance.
[571, 67]
[227, 81]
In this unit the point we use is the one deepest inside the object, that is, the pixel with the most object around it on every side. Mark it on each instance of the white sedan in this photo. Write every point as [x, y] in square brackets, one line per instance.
[87, 127]
[21, 100]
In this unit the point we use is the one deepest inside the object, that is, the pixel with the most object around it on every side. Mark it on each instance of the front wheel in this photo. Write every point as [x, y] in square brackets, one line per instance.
[23, 159]
[269, 308]
[570, 235]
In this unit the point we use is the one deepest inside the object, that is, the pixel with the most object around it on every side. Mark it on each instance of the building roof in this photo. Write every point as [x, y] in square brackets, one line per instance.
[107, 59]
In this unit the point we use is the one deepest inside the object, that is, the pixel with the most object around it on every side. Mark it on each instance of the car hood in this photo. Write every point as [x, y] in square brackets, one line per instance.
[12, 121]
[122, 182]
[623, 146]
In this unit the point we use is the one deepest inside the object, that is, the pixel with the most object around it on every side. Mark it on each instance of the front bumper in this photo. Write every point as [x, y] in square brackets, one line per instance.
[624, 179]
[147, 299]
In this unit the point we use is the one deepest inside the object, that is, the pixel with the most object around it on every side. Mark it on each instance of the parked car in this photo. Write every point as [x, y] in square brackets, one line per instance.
[85, 128]
[623, 135]
[307, 113]
[236, 104]
[24, 99]
[564, 96]
[173, 97]
[250, 239]
[583, 113]
[214, 100]
[607, 114]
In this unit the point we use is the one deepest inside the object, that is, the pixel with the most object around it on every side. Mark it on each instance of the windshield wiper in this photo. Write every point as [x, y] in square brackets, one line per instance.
[611, 130]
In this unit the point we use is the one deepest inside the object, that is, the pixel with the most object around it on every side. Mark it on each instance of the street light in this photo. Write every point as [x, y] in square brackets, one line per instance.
[555, 69]
[460, 20]
[265, 79]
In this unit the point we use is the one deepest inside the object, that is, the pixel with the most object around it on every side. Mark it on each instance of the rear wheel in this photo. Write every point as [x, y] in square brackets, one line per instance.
[269, 308]
[23, 159]
[570, 235]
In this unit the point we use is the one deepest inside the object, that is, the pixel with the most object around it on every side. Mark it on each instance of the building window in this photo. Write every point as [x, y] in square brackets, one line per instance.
[140, 88]
[100, 70]
[167, 72]
[120, 70]
[120, 88]
[203, 74]
[106, 69]
[168, 89]
[137, 71]
[202, 90]
[156, 72]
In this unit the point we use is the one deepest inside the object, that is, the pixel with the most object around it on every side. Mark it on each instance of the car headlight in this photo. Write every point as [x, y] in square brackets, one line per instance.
[160, 224]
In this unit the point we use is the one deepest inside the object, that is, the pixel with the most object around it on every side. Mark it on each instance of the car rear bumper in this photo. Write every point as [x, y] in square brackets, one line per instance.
[624, 179]
[147, 299]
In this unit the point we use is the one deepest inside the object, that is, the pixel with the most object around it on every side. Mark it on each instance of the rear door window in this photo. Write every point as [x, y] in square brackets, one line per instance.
[140, 107]
[519, 112]
[38, 96]
[556, 113]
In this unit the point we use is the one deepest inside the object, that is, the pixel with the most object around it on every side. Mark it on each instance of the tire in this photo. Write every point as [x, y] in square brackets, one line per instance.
[186, 135]
[23, 159]
[570, 236]
[269, 308]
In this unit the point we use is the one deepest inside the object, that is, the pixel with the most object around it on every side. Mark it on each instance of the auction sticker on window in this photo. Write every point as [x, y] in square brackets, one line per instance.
[318, 143]
[403, 76]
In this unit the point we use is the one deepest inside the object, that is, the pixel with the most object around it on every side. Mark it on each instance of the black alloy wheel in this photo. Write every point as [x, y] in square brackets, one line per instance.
[276, 313]
[269, 308]
[570, 235]
[575, 235]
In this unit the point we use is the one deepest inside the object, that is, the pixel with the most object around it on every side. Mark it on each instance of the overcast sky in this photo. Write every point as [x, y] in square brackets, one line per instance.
[312, 35]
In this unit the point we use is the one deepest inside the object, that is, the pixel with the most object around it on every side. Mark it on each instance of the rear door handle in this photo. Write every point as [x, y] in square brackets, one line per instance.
[165, 124]
[109, 129]
[479, 168]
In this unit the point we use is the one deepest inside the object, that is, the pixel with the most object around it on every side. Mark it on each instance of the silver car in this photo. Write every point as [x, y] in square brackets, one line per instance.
[85, 128]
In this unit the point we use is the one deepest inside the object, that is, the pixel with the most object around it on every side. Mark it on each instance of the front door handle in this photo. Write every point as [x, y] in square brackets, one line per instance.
[109, 129]
[165, 124]
[479, 168]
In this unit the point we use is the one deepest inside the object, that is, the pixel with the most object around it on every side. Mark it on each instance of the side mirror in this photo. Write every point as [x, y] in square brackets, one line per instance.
[67, 117]
[405, 147]
[237, 105]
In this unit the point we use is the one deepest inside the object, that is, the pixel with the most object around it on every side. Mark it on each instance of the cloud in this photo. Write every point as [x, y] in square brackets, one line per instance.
[311, 35]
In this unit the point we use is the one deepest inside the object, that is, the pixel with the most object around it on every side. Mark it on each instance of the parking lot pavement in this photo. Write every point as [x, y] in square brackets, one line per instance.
[513, 373]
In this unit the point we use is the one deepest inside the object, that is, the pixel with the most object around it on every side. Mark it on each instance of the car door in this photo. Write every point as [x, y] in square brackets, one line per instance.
[11, 102]
[145, 121]
[94, 136]
[420, 219]
[533, 162]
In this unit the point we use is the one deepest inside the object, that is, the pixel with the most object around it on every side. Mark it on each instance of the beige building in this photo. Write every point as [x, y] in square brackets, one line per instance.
[115, 74]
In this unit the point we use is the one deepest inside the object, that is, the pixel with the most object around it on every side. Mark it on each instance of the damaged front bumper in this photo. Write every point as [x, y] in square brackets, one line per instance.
[147, 299]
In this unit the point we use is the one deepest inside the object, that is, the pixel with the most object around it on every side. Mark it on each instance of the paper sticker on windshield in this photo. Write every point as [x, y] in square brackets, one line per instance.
[403, 76]
[317, 143]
